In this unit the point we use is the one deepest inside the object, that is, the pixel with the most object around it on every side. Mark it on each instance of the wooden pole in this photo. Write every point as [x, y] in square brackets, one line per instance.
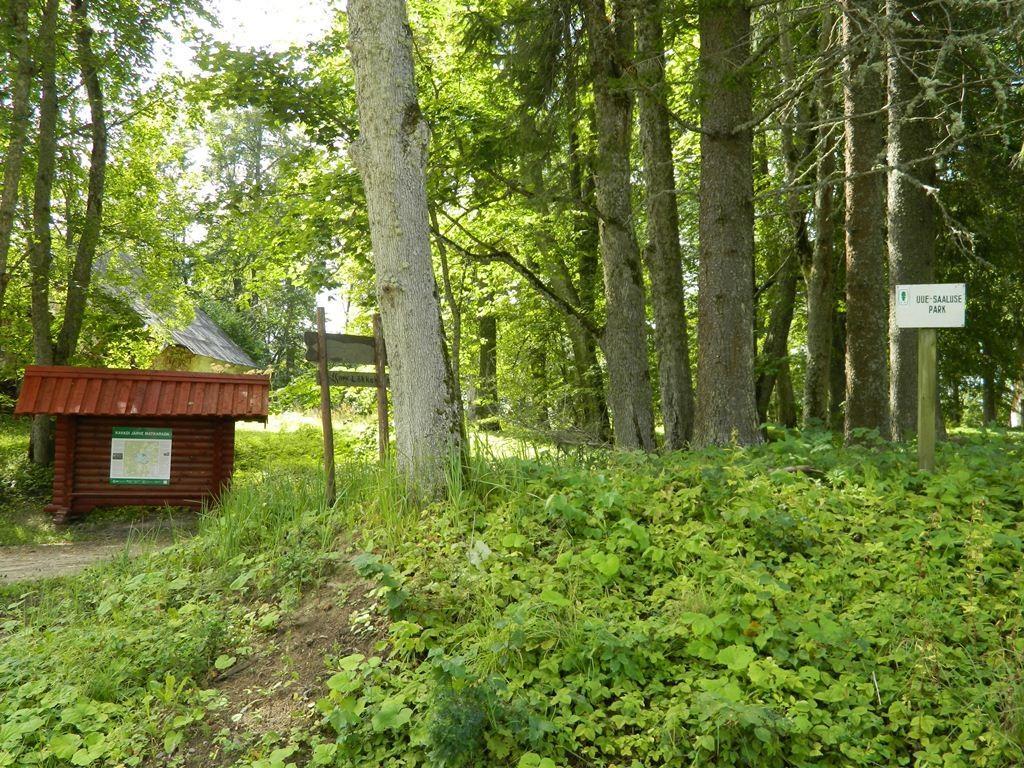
[325, 405]
[927, 394]
[380, 361]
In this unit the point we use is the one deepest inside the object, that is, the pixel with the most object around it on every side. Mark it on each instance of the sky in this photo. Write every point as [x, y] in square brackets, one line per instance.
[274, 25]
[270, 24]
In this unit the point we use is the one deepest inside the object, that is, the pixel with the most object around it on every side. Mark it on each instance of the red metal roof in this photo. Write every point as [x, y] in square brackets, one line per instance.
[67, 390]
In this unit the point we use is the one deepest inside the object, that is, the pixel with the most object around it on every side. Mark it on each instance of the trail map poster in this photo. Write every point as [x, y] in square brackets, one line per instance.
[140, 456]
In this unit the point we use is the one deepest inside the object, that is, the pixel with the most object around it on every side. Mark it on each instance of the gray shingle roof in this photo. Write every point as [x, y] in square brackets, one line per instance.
[200, 337]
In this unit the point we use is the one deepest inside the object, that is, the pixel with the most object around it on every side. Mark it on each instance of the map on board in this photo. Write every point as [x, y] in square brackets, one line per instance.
[140, 456]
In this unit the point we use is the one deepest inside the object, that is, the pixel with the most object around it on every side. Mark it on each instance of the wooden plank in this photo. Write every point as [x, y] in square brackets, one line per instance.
[354, 378]
[927, 391]
[325, 406]
[381, 381]
[342, 348]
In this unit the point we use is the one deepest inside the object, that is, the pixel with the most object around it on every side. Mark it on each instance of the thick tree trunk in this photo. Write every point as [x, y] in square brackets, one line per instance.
[81, 272]
[625, 335]
[911, 213]
[391, 155]
[40, 255]
[21, 111]
[487, 381]
[819, 275]
[867, 305]
[726, 408]
[662, 255]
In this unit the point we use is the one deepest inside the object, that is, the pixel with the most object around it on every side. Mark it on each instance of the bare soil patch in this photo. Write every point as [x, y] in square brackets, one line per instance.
[274, 691]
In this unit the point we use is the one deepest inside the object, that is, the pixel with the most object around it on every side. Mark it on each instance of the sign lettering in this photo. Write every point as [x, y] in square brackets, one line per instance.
[940, 305]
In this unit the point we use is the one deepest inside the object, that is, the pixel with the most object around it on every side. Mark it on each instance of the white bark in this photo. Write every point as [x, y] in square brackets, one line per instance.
[391, 155]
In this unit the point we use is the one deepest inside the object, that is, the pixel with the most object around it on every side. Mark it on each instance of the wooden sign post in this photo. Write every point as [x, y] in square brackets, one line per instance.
[928, 307]
[348, 351]
[325, 406]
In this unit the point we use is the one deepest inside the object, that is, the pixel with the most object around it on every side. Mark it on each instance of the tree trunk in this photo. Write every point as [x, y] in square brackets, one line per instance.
[1017, 404]
[786, 397]
[487, 382]
[664, 261]
[775, 348]
[989, 399]
[726, 408]
[819, 275]
[454, 307]
[625, 335]
[911, 213]
[837, 374]
[593, 406]
[81, 272]
[40, 252]
[21, 111]
[867, 312]
[391, 155]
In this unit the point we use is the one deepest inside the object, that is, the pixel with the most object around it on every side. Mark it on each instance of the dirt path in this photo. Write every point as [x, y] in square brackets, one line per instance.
[43, 561]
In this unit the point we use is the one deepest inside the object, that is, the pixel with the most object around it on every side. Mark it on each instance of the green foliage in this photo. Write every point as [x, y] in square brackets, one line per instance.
[698, 609]
[160, 623]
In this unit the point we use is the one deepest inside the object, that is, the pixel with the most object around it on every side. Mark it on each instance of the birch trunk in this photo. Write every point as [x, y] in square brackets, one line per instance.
[625, 336]
[19, 127]
[664, 261]
[391, 155]
[867, 306]
[726, 409]
[911, 211]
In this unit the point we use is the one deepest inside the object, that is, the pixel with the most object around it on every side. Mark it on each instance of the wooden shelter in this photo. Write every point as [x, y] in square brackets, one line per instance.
[140, 438]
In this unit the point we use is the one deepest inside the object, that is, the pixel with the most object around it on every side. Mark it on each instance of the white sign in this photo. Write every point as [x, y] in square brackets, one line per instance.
[140, 456]
[930, 306]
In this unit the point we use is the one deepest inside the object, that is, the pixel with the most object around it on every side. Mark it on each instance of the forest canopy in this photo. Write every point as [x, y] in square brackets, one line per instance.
[650, 223]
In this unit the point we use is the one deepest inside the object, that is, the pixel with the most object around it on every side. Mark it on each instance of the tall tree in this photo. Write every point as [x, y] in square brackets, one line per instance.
[726, 408]
[819, 274]
[40, 244]
[81, 271]
[625, 333]
[21, 111]
[662, 254]
[391, 154]
[867, 382]
[912, 230]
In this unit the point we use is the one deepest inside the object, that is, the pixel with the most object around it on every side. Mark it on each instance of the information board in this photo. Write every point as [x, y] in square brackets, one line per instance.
[939, 305]
[140, 456]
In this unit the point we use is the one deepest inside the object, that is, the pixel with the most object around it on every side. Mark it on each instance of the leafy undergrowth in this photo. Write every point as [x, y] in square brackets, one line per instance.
[797, 604]
[716, 608]
[113, 667]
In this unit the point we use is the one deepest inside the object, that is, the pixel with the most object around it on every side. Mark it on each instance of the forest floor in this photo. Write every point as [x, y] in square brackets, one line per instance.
[91, 541]
[605, 609]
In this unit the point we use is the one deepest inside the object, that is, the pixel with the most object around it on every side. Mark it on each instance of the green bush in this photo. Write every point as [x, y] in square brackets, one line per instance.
[707, 608]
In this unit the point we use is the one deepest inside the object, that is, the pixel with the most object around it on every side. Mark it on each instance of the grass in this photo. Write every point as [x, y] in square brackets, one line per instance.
[288, 444]
[604, 609]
